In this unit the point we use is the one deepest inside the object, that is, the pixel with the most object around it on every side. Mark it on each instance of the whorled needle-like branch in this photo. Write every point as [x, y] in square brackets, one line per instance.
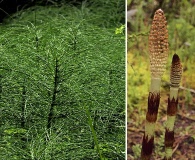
[175, 78]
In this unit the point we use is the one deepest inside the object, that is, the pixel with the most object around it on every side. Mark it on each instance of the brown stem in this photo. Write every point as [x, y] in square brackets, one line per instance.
[151, 117]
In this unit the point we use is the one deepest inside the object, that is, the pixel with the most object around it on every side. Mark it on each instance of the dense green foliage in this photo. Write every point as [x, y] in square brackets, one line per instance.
[62, 84]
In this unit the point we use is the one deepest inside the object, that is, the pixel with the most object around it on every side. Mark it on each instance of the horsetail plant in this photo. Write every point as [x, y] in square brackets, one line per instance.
[158, 53]
[175, 78]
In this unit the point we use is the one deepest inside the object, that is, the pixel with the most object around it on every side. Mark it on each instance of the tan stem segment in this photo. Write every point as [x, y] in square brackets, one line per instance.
[155, 85]
[158, 53]
[173, 92]
[175, 78]
[169, 129]
[151, 117]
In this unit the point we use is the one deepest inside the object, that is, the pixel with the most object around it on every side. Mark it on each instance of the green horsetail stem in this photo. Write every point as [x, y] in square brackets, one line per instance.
[158, 53]
[175, 78]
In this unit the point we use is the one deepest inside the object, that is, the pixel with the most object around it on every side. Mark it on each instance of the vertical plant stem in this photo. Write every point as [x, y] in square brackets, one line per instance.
[93, 132]
[51, 115]
[1, 86]
[53, 101]
[158, 48]
[23, 118]
[151, 117]
[175, 78]
[23, 106]
[36, 37]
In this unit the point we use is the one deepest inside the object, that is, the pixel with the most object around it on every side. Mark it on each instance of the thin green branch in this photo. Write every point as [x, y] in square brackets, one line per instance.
[93, 132]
